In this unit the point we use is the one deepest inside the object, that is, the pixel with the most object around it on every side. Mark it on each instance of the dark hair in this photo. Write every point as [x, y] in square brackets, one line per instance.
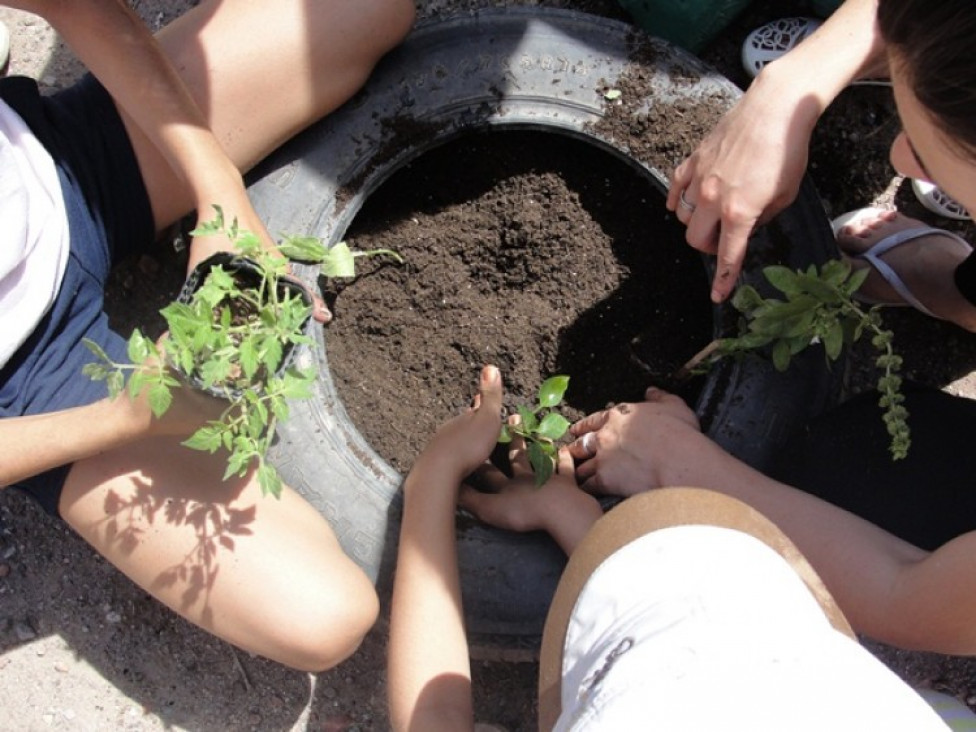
[934, 41]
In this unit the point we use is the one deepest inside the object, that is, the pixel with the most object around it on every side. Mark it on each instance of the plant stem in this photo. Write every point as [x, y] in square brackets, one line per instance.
[686, 371]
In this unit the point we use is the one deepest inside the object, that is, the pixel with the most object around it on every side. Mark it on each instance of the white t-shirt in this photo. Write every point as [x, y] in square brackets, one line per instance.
[34, 238]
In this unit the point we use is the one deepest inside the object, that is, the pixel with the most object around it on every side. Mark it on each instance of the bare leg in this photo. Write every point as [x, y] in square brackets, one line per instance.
[263, 70]
[266, 575]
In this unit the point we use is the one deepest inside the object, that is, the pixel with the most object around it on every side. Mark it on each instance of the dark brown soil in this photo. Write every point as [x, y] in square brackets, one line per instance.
[532, 251]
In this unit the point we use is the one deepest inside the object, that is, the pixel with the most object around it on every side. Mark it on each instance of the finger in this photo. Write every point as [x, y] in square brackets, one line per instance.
[674, 405]
[518, 456]
[586, 471]
[584, 447]
[680, 180]
[487, 478]
[654, 394]
[564, 462]
[591, 485]
[490, 392]
[589, 423]
[473, 500]
[320, 312]
[732, 242]
[703, 228]
[488, 507]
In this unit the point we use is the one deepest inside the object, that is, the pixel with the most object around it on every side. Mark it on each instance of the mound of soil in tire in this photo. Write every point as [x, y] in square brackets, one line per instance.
[529, 250]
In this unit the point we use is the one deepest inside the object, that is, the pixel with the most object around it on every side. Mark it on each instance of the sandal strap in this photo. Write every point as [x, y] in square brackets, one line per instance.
[873, 257]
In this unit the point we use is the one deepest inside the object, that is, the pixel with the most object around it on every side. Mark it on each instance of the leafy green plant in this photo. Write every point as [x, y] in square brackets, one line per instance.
[230, 334]
[541, 427]
[818, 307]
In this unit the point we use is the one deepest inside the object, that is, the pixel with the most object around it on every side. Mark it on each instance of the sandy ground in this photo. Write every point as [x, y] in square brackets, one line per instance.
[81, 648]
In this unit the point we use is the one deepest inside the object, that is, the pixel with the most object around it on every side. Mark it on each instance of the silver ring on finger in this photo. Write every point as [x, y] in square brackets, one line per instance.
[588, 443]
[684, 202]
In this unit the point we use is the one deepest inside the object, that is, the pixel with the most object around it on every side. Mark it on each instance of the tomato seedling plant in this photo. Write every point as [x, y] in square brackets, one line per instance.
[231, 333]
[541, 426]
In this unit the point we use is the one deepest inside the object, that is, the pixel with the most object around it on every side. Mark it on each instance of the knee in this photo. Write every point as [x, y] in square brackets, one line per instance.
[328, 626]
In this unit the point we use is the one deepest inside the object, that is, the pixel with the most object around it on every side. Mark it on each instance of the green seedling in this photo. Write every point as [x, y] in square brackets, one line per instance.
[818, 307]
[541, 427]
[231, 337]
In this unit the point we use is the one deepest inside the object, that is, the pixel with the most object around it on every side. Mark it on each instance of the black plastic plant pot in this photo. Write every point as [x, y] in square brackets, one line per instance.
[247, 272]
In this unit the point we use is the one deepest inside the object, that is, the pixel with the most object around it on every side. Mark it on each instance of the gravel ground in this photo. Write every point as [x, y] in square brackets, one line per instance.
[81, 648]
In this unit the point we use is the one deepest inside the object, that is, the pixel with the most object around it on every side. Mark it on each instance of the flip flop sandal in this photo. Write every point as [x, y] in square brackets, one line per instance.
[936, 201]
[774, 39]
[873, 257]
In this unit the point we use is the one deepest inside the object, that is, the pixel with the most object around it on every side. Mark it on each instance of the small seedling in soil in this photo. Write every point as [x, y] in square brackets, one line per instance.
[818, 308]
[541, 427]
[231, 334]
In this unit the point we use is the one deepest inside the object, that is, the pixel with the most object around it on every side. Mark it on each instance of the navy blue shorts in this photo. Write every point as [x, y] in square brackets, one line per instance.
[109, 217]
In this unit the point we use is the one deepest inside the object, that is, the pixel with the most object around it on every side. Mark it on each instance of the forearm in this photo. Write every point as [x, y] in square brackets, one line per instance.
[810, 77]
[429, 673]
[863, 566]
[34, 444]
[568, 521]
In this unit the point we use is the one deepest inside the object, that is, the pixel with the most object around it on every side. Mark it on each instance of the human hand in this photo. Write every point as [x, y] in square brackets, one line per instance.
[558, 506]
[632, 448]
[743, 173]
[241, 212]
[464, 443]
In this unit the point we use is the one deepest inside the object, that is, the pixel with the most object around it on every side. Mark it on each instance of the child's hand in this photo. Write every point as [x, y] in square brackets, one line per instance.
[465, 442]
[558, 507]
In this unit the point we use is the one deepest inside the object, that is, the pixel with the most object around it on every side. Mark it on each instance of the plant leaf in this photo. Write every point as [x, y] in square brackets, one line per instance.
[139, 347]
[208, 438]
[269, 480]
[553, 426]
[303, 248]
[160, 398]
[97, 350]
[746, 299]
[115, 382]
[529, 421]
[781, 355]
[552, 390]
[541, 462]
[783, 279]
[833, 340]
[339, 261]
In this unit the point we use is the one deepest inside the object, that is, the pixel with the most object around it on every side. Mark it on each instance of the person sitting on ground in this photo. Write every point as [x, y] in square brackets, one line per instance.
[725, 608]
[165, 125]
[750, 166]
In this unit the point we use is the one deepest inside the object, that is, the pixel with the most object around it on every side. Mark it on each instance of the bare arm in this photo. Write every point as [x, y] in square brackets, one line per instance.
[888, 589]
[34, 444]
[429, 673]
[111, 40]
[750, 166]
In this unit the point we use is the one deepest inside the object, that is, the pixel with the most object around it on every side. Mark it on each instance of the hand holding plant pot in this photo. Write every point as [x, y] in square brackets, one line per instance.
[232, 333]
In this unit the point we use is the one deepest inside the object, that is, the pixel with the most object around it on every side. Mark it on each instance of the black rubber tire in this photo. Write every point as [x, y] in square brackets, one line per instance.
[511, 68]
